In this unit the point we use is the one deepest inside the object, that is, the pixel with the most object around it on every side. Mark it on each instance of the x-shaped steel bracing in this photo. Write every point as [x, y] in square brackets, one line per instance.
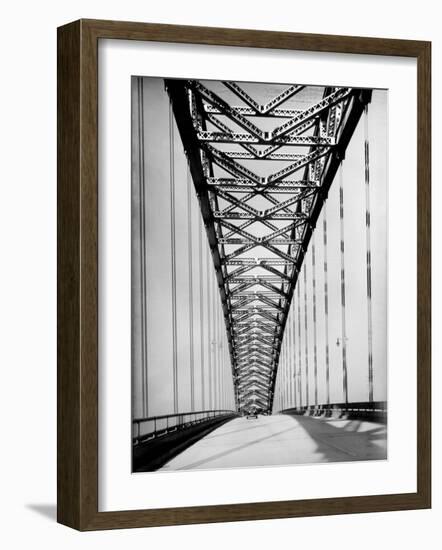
[261, 169]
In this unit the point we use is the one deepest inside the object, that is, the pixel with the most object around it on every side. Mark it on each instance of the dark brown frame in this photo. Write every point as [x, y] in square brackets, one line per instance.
[77, 225]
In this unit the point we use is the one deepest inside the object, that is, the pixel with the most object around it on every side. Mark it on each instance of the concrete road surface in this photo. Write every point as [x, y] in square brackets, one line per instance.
[283, 439]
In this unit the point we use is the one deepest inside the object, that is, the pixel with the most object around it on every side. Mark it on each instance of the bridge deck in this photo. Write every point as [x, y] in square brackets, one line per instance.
[282, 439]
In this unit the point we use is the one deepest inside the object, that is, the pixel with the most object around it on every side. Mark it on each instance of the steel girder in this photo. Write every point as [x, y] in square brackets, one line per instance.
[242, 159]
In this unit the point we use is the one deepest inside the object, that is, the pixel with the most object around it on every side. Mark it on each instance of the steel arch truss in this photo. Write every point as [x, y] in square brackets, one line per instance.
[262, 168]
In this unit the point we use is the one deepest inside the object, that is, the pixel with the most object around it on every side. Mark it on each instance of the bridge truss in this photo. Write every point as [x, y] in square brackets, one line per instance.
[262, 159]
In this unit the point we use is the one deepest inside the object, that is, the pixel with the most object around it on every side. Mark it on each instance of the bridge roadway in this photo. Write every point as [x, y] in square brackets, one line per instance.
[282, 439]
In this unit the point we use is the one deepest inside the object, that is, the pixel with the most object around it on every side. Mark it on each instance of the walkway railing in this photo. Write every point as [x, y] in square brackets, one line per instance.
[374, 410]
[152, 427]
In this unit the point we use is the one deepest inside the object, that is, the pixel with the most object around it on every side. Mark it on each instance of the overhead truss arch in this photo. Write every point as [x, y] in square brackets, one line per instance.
[262, 167]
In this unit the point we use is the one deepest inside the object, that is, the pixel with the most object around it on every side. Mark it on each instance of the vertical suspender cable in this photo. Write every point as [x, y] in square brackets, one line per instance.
[287, 393]
[307, 396]
[295, 377]
[290, 359]
[223, 365]
[214, 378]
[226, 372]
[218, 381]
[283, 381]
[285, 377]
[223, 362]
[327, 349]
[220, 350]
[287, 363]
[368, 246]
[225, 390]
[282, 378]
[173, 262]
[215, 312]
[344, 335]
[142, 229]
[315, 349]
[284, 374]
[220, 354]
[190, 256]
[209, 328]
[299, 345]
[201, 274]
[287, 371]
[214, 328]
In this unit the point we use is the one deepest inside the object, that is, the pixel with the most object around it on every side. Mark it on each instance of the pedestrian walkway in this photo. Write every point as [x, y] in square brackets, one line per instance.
[283, 439]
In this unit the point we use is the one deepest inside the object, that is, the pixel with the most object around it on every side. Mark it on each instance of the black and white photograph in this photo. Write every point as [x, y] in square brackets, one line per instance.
[258, 274]
[219, 243]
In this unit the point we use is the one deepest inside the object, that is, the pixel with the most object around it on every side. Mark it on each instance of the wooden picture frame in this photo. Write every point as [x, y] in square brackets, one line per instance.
[78, 274]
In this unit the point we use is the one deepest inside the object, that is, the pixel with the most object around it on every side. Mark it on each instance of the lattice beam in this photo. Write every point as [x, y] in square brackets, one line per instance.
[257, 260]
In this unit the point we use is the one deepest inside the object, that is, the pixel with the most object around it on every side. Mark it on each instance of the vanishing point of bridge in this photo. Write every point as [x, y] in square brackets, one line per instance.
[258, 274]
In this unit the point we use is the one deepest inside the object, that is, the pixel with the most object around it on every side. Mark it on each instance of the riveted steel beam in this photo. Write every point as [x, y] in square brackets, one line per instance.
[220, 136]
